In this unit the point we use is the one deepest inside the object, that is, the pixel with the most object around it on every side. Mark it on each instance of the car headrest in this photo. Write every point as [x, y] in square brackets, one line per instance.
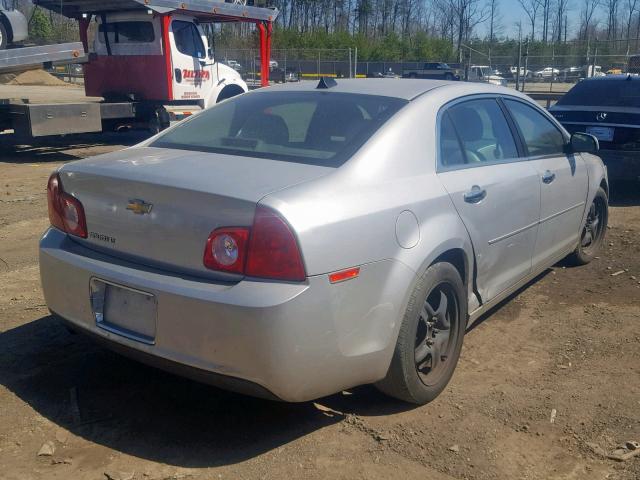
[266, 127]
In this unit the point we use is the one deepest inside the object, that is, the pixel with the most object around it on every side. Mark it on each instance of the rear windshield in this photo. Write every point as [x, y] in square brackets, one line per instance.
[604, 93]
[320, 128]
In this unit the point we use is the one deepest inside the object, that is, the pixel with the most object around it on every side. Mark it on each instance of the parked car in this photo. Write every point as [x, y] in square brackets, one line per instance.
[609, 109]
[480, 73]
[434, 70]
[547, 73]
[523, 72]
[234, 64]
[279, 75]
[387, 74]
[571, 74]
[299, 240]
[13, 24]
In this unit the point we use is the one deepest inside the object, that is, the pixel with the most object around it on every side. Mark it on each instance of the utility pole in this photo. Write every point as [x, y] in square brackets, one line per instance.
[526, 64]
[519, 57]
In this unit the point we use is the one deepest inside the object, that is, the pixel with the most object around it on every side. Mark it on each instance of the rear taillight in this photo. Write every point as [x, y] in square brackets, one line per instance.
[227, 249]
[273, 249]
[268, 250]
[65, 212]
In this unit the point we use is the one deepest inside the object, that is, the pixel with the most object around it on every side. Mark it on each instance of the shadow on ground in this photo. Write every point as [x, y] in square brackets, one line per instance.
[138, 410]
[55, 149]
[624, 194]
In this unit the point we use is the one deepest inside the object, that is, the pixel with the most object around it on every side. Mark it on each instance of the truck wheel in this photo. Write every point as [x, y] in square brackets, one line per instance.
[229, 92]
[594, 230]
[430, 338]
[4, 39]
[158, 121]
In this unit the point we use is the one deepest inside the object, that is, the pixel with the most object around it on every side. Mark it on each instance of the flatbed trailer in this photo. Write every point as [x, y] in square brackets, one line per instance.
[165, 76]
[45, 56]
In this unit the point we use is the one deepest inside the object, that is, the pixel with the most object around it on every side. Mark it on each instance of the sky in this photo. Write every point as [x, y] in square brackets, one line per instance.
[512, 12]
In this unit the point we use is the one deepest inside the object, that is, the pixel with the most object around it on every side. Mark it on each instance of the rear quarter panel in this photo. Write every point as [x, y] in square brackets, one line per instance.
[349, 217]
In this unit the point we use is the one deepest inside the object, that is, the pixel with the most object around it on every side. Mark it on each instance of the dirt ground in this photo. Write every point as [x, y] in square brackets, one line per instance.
[568, 344]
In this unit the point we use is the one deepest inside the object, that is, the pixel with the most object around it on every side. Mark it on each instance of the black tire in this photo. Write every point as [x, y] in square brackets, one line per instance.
[408, 379]
[4, 38]
[594, 231]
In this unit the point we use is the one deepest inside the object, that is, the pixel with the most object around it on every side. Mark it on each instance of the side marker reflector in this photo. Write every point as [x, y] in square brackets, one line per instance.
[344, 275]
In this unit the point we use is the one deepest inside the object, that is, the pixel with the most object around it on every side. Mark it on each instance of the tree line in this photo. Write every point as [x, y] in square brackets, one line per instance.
[409, 29]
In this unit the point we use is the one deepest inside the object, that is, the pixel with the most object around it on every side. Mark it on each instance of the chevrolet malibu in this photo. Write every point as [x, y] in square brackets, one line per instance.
[300, 240]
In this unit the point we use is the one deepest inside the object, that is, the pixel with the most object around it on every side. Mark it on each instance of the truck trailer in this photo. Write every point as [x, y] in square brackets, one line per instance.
[150, 60]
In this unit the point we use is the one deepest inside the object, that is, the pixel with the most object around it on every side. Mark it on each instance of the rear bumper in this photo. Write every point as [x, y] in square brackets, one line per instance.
[294, 342]
[621, 165]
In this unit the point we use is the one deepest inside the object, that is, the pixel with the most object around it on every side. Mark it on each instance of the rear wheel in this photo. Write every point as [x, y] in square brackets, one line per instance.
[430, 338]
[594, 230]
[4, 39]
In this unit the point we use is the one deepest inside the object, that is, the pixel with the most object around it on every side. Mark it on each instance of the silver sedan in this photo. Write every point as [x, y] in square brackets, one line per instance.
[303, 239]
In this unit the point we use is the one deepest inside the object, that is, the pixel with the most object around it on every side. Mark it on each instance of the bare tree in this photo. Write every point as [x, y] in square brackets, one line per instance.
[632, 6]
[612, 18]
[531, 8]
[588, 9]
[562, 7]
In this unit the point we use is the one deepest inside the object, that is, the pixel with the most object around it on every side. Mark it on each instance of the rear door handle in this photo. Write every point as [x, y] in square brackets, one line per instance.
[475, 195]
[548, 177]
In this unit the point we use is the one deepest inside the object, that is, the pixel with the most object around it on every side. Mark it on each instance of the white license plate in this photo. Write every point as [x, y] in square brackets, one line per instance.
[125, 311]
[604, 134]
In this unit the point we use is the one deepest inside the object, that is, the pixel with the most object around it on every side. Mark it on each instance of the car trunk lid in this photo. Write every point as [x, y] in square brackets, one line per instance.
[158, 206]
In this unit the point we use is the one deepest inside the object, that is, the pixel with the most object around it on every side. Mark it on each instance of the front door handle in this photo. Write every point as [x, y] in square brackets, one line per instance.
[548, 177]
[475, 195]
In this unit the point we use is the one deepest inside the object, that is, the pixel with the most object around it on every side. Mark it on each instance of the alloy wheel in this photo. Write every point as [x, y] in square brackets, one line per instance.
[436, 332]
[592, 232]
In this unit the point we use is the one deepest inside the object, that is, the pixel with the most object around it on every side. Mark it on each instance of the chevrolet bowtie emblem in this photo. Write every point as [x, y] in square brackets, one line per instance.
[139, 207]
[601, 117]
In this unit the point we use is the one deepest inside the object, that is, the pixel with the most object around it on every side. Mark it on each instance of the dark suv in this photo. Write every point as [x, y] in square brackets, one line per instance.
[609, 109]
[435, 70]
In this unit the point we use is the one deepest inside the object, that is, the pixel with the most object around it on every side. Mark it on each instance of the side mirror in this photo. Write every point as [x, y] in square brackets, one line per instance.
[584, 143]
[210, 53]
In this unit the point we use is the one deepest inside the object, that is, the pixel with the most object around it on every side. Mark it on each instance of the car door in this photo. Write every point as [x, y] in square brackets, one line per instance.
[191, 80]
[495, 192]
[563, 181]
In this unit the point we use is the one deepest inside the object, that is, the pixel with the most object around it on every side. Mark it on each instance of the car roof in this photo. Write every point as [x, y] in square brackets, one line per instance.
[622, 77]
[402, 88]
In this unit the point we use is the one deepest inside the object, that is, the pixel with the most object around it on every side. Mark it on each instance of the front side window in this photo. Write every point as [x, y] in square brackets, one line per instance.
[541, 136]
[482, 130]
[187, 38]
[319, 128]
[127, 32]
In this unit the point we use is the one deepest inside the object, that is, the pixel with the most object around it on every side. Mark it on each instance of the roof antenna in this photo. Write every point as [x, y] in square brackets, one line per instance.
[326, 82]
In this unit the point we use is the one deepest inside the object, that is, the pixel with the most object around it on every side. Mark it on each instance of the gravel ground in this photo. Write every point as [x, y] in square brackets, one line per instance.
[566, 347]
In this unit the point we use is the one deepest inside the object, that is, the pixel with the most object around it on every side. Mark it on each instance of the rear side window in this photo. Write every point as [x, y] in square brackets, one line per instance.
[321, 128]
[482, 130]
[127, 32]
[541, 136]
[450, 150]
[187, 38]
[604, 93]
